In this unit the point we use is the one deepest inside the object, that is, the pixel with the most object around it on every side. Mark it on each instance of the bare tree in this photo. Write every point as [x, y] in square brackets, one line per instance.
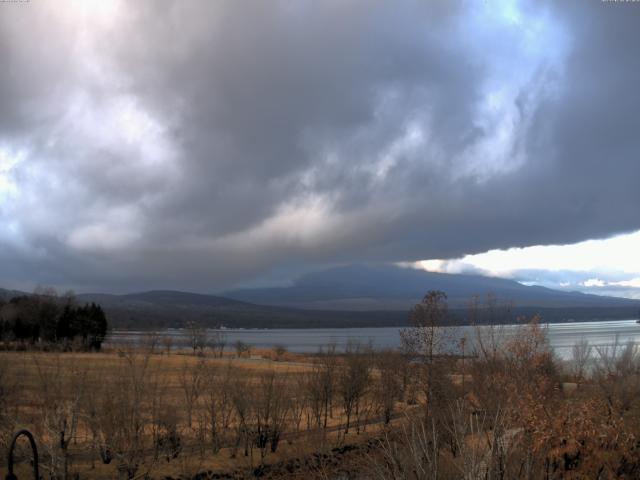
[279, 351]
[353, 379]
[299, 403]
[217, 341]
[192, 378]
[489, 321]
[167, 342]
[628, 362]
[270, 408]
[580, 356]
[388, 383]
[411, 453]
[167, 441]
[240, 397]
[151, 341]
[483, 443]
[122, 414]
[197, 336]
[219, 406]
[617, 375]
[242, 349]
[62, 389]
[321, 385]
[429, 337]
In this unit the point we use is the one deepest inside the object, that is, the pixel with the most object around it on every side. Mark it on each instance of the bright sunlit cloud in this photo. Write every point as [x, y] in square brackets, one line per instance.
[618, 253]
[593, 265]
[93, 10]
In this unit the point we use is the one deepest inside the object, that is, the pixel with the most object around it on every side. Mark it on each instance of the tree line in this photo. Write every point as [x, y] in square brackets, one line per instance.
[46, 319]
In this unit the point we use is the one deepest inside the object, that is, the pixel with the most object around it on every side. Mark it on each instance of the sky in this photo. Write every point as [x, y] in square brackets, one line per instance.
[204, 145]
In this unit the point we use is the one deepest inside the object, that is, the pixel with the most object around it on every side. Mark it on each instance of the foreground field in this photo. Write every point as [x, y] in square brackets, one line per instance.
[132, 413]
[506, 410]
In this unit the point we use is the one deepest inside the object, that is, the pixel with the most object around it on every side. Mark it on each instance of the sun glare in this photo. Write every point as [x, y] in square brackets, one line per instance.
[94, 10]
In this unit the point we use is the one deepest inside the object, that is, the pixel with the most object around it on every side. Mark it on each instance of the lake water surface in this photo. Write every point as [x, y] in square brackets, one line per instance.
[562, 336]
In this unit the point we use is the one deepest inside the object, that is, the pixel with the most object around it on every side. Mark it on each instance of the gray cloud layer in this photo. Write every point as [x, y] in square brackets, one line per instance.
[198, 144]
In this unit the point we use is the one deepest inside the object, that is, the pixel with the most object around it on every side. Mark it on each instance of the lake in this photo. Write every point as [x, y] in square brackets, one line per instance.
[562, 336]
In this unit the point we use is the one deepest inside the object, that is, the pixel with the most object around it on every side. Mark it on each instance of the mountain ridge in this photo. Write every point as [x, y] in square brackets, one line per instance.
[357, 287]
[350, 296]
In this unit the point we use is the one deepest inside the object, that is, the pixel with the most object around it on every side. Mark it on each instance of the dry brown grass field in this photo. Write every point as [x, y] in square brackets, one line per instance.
[510, 410]
[177, 414]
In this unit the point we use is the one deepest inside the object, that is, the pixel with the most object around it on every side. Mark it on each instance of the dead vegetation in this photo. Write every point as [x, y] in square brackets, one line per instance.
[134, 413]
[495, 406]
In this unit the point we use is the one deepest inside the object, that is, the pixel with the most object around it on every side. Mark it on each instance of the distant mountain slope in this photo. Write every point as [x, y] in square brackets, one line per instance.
[167, 298]
[158, 309]
[358, 287]
[174, 309]
[7, 294]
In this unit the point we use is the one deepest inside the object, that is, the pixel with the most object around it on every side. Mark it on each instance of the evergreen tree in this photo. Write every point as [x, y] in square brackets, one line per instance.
[47, 318]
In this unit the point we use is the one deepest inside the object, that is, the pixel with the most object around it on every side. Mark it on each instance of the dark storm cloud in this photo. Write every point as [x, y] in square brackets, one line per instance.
[199, 144]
